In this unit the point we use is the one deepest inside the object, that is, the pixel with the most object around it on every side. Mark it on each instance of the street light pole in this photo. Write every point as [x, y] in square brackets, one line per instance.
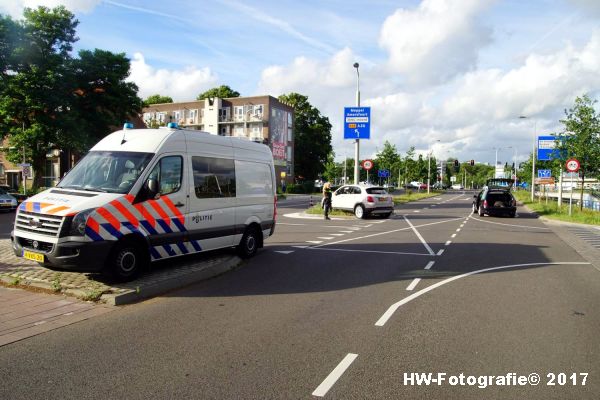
[357, 141]
[429, 168]
[532, 158]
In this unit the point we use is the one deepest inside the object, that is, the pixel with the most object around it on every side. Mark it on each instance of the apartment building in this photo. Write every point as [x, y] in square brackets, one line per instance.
[261, 119]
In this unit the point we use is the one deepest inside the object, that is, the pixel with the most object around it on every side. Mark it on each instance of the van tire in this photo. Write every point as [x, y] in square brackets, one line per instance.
[125, 262]
[249, 243]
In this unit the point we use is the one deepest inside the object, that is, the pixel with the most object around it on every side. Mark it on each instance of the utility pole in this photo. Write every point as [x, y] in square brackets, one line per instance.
[357, 142]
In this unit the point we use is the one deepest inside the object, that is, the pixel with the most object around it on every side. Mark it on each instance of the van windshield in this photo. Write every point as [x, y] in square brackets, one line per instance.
[107, 171]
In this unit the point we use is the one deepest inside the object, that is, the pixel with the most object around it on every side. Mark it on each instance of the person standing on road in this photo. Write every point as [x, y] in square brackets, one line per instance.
[327, 199]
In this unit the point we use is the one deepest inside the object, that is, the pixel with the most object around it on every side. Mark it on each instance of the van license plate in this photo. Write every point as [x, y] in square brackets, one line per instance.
[30, 255]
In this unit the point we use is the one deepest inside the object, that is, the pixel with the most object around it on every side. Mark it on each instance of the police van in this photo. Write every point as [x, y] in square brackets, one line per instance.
[144, 195]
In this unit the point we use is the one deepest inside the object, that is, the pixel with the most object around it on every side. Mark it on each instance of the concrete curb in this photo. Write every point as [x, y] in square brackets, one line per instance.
[174, 282]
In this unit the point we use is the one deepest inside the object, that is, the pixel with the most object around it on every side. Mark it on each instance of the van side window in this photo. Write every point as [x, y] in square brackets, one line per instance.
[213, 177]
[254, 179]
[168, 172]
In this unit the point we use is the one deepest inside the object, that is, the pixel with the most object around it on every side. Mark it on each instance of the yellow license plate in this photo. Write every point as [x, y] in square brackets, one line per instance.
[30, 255]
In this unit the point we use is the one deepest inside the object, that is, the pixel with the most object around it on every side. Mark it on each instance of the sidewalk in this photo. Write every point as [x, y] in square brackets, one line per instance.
[162, 277]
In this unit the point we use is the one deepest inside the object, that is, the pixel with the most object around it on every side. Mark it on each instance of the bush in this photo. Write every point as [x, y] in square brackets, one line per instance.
[300, 188]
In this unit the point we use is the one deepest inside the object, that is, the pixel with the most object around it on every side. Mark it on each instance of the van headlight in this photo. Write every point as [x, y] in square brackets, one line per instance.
[79, 221]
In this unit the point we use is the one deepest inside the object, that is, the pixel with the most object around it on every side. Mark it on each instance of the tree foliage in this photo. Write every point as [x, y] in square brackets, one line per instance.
[580, 138]
[312, 137]
[222, 92]
[48, 99]
[157, 99]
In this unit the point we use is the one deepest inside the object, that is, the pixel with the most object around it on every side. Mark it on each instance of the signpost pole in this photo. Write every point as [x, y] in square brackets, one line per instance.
[560, 188]
[357, 142]
[571, 196]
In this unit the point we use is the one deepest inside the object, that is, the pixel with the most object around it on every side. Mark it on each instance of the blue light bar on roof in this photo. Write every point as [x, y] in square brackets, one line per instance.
[127, 125]
[172, 125]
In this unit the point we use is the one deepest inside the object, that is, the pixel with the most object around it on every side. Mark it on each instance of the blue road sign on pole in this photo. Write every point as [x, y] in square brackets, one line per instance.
[544, 173]
[546, 148]
[383, 173]
[357, 122]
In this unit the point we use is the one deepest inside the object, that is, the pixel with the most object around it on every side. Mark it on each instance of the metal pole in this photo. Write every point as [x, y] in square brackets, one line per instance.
[428, 170]
[533, 163]
[571, 195]
[357, 141]
[344, 168]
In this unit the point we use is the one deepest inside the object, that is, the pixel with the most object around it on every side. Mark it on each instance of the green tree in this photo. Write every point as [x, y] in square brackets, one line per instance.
[580, 138]
[50, 100]
[312, 136]
[222, 92]
[157, 99]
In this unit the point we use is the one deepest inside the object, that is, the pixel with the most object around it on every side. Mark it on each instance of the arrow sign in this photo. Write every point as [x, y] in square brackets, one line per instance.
[357, 122]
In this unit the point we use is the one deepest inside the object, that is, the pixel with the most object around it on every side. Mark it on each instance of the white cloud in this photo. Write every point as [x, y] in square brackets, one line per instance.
[181, 85]
[588, 6]
[14, 8]
[437, 41]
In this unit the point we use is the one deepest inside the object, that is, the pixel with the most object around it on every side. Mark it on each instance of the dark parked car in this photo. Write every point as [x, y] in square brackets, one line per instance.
[495, 199]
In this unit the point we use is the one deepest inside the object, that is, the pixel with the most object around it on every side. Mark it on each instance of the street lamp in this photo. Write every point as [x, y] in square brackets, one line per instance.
[429, 167]
[514, 165]
[356, 142]
[532, 157]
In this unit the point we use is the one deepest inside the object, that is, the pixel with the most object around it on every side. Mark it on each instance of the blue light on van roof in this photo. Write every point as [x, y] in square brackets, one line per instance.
[172, 125]
[127, 125]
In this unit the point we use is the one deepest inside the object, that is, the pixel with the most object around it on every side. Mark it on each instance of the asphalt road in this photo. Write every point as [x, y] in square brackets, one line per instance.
[347, 309]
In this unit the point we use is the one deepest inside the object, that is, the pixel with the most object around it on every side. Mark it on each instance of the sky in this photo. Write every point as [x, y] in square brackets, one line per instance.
[447, 76]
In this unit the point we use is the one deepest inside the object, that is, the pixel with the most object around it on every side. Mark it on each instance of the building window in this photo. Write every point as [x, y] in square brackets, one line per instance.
[238, 131]
[161, 116]
[177, 115]
[239, 113]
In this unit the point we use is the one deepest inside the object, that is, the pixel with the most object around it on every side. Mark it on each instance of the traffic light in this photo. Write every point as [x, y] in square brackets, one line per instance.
[455, 163]
[472, 162]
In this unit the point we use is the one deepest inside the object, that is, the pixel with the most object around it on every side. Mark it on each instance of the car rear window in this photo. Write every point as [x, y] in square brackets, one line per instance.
[376, 190]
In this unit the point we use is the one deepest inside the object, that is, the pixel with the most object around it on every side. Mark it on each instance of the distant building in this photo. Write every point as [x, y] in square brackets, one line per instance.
[261, 119]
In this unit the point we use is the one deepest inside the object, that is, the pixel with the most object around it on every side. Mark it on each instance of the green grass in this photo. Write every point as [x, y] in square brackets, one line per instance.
[551, 210]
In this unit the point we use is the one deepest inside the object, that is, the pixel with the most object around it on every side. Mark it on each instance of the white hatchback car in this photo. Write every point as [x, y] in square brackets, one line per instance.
[363, 200]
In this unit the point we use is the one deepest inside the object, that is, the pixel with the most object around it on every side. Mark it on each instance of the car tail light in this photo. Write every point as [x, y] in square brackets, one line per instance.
[370, 199]
[514, 203]
[485, 204]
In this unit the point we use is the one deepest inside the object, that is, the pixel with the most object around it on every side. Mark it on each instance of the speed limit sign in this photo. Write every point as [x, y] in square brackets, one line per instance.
[26, 171]
[572, 165]
[367, 164]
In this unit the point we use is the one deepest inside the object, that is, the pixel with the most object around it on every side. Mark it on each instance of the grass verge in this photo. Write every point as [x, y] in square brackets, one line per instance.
[551, 210]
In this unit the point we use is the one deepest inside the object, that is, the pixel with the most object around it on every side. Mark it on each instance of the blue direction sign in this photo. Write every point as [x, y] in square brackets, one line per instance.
[383, 173]
[544, 173]
[357, 122]
[546, 148]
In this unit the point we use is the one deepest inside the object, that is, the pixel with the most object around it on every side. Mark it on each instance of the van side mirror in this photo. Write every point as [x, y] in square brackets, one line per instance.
[152, 186]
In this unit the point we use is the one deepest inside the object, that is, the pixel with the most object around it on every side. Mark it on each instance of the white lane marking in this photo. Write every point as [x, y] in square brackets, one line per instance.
[69, 313]
[390, 311]
[462, 225]
[413, 284]
[347, 231]
[419, 236]
[367, 251]
[429, 264]
[336, 234]
[448, 243]
[325, 237]
[387, 232]
[518, 226]
[300, 247]
[458, 230]
[439, 253]
[314, 241]
[416, 211]
[332, 378]
[284, 251]
[39, 323]
[453, 235]
[368, 226]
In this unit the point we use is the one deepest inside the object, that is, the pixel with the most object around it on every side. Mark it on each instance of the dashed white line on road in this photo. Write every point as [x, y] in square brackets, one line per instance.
[284, 251]
[392, 309]
[429, 265]
[325, 237]
[300, 247]
[448, 243]
[347, 231]
[314, 241]
[416, 211]
[439, 253]
[458, 230]
[453, 236]
[332, 378]
[367, 251]
[39, 323]
[336, 234]
[413, 284]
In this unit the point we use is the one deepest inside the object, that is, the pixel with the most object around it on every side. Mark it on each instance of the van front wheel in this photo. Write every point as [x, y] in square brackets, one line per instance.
[125, 262]
[249, 243]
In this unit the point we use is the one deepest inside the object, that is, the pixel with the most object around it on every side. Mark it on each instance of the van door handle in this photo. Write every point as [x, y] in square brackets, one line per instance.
[179, 204]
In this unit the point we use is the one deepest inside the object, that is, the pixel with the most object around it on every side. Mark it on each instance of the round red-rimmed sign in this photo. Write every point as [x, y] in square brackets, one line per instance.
[367, 164]
[572, 165]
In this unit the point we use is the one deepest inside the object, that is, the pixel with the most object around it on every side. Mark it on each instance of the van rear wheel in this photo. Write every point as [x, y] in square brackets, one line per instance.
[249, 243]
[125, 262]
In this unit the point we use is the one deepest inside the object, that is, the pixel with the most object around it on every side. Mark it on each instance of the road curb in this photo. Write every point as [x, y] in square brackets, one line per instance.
[174, 282]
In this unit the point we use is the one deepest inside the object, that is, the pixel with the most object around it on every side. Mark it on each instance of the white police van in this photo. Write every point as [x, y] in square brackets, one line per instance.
[143, 195]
